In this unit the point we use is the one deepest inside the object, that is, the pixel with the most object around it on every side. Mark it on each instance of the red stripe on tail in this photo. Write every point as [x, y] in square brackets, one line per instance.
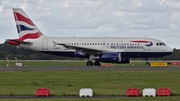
[30, 36]
[19, 17]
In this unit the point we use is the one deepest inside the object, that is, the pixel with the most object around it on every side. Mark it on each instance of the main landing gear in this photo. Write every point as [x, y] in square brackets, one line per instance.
[90, 63]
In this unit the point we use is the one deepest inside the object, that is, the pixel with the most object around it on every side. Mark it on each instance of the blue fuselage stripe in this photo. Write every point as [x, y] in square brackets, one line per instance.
[124, 54]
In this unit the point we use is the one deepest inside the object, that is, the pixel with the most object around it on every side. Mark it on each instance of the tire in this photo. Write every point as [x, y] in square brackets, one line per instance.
[89, 63]
[147, 64]
[97, 63]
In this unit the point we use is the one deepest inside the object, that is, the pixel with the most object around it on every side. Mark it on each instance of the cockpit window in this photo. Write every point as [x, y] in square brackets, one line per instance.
[164, 44]
[160, 44]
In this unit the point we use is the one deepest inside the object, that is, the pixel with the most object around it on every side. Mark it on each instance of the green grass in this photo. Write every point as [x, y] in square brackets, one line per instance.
[64, 83]
[102, 82]
[99, 99]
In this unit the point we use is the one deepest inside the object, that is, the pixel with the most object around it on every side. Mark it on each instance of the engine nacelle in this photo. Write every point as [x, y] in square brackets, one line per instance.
[114, 57]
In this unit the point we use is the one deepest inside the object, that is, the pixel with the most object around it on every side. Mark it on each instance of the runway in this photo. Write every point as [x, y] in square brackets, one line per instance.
[60, 68]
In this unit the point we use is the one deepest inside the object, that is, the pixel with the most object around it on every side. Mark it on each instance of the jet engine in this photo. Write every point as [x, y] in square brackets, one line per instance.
[113, 57]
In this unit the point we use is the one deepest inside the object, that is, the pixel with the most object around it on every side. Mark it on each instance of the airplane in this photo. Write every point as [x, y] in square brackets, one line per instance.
[97, 49]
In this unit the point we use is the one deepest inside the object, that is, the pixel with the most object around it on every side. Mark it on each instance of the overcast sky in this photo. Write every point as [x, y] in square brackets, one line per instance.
[97, 18]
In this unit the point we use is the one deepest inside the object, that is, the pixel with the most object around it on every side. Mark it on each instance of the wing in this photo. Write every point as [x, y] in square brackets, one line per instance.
[83, 49]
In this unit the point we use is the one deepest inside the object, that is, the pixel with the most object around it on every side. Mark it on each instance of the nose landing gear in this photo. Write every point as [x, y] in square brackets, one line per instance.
[147, 62]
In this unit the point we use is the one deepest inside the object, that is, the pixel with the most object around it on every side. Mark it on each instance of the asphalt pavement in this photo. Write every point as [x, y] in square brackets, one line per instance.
[59, 68]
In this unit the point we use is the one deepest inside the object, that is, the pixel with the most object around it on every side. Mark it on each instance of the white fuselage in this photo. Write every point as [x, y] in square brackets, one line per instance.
[108, 44]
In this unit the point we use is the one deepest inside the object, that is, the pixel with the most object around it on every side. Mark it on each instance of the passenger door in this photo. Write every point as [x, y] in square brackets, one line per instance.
[45, 44]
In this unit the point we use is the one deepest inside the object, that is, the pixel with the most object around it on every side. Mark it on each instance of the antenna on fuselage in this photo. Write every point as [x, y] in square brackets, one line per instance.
[147, 39]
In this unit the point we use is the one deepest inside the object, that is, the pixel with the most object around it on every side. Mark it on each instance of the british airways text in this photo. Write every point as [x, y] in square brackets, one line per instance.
[125, 47]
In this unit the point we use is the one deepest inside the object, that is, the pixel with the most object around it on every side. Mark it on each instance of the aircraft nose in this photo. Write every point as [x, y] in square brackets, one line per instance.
[169, 49]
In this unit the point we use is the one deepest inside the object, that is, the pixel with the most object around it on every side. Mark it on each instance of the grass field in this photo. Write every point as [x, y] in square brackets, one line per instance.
[99, 99]
[111, 82]
[65, 83]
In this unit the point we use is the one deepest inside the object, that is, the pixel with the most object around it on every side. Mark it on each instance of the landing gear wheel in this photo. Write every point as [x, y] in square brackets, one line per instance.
[89, 63]
[97, 63]
[147, 64]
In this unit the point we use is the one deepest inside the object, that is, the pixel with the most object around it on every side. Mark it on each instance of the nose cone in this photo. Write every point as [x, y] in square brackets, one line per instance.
[169, 50]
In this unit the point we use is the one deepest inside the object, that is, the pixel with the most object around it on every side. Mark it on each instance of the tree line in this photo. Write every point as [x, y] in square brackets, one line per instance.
[10, 51]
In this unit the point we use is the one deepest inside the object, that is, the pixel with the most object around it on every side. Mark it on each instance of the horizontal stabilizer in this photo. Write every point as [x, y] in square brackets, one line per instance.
[17, 42]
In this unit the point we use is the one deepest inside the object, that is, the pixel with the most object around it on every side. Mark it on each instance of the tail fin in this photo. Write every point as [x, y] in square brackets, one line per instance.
[25, 27]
